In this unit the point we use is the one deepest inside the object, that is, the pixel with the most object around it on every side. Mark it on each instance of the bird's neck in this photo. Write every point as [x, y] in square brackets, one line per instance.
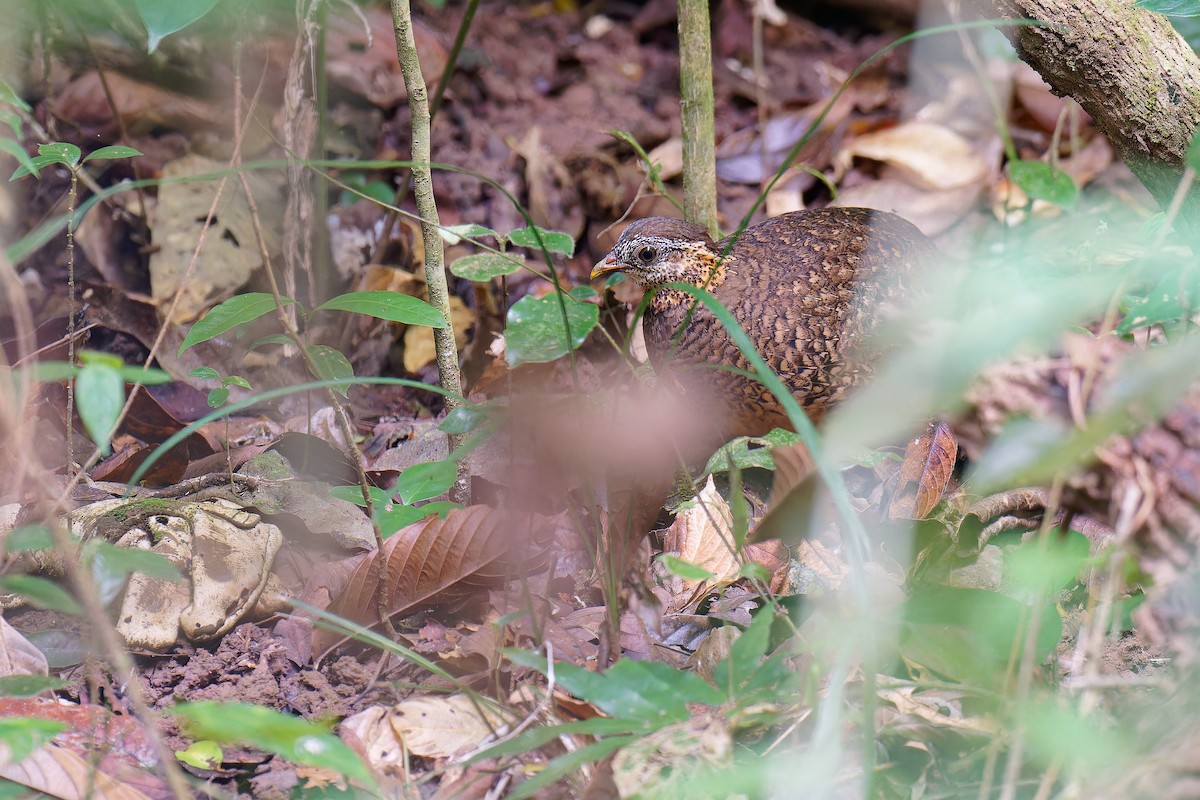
[705, 270]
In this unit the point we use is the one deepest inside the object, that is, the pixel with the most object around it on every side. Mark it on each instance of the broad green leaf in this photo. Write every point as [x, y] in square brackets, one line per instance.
[685, 569]
[1044, 565]
[7, 95]
[204, 754]
[111, 152]
[237, 380]
[286, 736]
[235, 311]
[13, 121]
[1171, 8]
[124, 560]
[554, 241]
[15, 150]
[746, 653]
[100, 394]
[353, 494]
[217, 397]
[393, 517]
[1040, 181]
[37, 162]
[425, 481]
[29, 685]
[164, 17]
[23, 735]
[483, 267]
[750, 452]
[274, 338]
[1174, 297]
[205, 374]
[331, 365]
[41, 592]
[63, 153]
[392, 306]
[535, 334]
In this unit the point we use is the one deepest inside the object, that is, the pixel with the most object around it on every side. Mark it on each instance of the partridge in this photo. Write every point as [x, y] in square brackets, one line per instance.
[808, 287]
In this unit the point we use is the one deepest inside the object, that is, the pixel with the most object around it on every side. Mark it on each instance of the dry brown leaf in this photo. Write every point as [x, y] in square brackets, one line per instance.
[930, 156]
[831, 569]
[925, 473]
[371, 735]
[440, 726]
[703, 535]
[63, 773]
[418, 339]
[478, 543]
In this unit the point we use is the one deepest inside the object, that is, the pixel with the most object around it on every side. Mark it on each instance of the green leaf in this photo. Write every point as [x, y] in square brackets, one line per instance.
[204, 754]
[393, 517]
[1044, 565]
[111, 152]
[684, 569]
[483, 267]
[29, 685]
[41, 593]
[331, 365]
[63, 153]
[15, 150]
[237, 310]
[426, 481]
[750, 452]
[1192, 157]
[1040, 181]
[1171, 8]
[7, 95]
[28, 537]
[392, 306]
[23, 735]
[13, 121]
[353, 494]
[554, 241]
[124, 560]
[1172, 299]
[453, 234]
[164, 17]
[274, 338]
[535, 334]
[205, 374]
[100, 393]
[289, 737]
[463, 419]
[37, 162]
[146, 376]
[567, 763]
[217, 397]
[237, 380]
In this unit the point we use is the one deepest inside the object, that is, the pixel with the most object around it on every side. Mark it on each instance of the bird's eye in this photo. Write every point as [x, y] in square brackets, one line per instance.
[646, 254]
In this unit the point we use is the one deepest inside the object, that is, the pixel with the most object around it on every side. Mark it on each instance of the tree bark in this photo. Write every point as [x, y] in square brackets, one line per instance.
[1130, 70]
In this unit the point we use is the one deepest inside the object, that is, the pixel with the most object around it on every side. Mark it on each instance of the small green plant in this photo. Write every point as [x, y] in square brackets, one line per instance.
[217, 396]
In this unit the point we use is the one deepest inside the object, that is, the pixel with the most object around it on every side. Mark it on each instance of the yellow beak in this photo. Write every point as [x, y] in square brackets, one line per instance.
[609, 264]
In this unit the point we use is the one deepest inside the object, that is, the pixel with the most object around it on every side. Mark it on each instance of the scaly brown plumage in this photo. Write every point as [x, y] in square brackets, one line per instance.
[808, 287]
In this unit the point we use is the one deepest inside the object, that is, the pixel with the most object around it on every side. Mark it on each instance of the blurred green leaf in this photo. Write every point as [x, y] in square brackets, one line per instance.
[237, 310]
[41, 592]
[289, 737]
[9, 96]
[205, 374]
[28, 537]
[463, 419]
[22, 735]
[393, 517]
[100, 394]
[750, 452]
[29, 685]
[535, 334]
[1171, 8]
[1173, 299]
[204, 754]
[164, 17]
[1041, 566]
[1040, 181]
[684, 569]
[217, 397]
[15, 150]
[392, 306]
[37, 163]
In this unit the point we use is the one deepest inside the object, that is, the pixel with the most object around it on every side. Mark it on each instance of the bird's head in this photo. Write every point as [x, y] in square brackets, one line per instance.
[660, 250]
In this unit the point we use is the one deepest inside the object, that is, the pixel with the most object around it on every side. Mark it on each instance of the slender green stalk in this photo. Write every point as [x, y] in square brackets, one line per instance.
[435, 271]
[696, 110]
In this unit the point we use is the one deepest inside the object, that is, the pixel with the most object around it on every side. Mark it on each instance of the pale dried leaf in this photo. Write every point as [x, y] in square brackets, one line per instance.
[61, 772]
[17, 655]
[371, 734]
[702, 535]
[669, 158]
[419, 347]
[440, 726]
[930, 156]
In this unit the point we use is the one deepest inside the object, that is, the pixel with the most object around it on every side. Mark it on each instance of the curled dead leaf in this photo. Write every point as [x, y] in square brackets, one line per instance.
[925, 473]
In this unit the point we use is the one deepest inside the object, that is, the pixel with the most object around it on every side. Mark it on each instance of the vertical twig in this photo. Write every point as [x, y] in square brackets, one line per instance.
[435, 272]
[696, 110]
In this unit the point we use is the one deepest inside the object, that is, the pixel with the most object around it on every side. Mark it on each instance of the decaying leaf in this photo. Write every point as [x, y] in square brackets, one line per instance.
[702, 535]
[925, 473]
[440, 726]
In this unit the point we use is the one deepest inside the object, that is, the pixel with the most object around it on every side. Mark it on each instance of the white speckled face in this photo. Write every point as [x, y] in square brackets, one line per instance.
[652, 260]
